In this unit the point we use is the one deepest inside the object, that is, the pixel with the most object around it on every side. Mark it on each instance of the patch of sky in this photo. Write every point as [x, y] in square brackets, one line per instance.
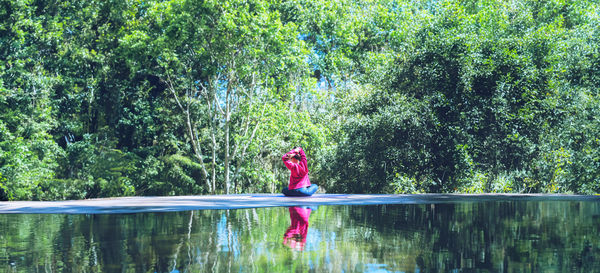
[432, 6]
[330, 244]
[377, 268]
[226, 239]
[313, 238]
[198, 255]
[303, 36]
[142, 8]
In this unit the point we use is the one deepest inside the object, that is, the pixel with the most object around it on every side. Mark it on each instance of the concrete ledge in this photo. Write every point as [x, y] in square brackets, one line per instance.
[239, 201]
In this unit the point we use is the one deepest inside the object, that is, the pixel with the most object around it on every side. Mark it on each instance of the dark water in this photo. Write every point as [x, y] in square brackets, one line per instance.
[515, 236]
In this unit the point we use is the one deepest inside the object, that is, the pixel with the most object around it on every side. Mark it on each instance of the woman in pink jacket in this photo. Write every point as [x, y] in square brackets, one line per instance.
[295, 161]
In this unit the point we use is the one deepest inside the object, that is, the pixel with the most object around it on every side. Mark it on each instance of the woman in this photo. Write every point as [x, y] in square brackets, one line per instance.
[295, 161]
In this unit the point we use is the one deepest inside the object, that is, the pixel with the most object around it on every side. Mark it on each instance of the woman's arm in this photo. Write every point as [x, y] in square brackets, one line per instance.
[288, 162]
[298, 169]
[303, 162]
[287, 156]
[300, 151]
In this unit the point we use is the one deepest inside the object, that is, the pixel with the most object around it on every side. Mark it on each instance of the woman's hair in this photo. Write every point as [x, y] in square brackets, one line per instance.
[297, 156]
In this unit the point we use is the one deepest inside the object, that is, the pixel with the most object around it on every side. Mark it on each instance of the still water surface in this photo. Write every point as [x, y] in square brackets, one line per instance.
[511, 236]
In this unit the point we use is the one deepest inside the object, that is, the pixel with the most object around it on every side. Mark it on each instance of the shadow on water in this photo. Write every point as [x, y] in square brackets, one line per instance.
[499, 236]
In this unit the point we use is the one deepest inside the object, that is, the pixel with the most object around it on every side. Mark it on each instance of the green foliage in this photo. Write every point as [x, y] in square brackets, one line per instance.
[92, 169]
[28, 153]
[117, 98]
[182, 174]
[4, 194]
[492, 98]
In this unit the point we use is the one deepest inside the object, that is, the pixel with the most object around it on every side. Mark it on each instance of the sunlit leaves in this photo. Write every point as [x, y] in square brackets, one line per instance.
[499, 82]
[484, 95]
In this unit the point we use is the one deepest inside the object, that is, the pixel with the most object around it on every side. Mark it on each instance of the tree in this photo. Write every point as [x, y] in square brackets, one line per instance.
[222, 63]
[28, 153]
[475, 99]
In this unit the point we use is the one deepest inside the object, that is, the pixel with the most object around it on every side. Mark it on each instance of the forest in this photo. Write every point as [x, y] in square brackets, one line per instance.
[177, 97]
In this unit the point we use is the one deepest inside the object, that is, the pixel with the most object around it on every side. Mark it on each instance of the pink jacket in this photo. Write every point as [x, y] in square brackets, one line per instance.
[299, 172]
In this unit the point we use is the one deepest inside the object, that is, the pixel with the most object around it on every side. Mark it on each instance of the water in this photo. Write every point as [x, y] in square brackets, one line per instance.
[511, 236]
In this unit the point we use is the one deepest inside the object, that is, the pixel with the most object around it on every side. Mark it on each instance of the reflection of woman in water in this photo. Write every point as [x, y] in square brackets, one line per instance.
[295, 161]
[295, 235]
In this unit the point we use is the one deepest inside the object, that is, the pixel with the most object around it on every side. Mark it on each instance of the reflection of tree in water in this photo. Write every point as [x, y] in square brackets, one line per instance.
[493, 237]
[496, 236]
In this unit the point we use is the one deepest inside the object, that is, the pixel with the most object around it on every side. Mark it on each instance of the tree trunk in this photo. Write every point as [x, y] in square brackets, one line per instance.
[245, 147]
[214, 161]
[212, 104]
[191, 131]
[226, 161]
[198, 151]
